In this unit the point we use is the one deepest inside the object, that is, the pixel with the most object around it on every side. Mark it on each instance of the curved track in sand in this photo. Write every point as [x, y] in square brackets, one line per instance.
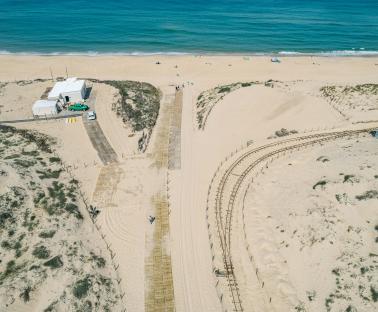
[228, 189]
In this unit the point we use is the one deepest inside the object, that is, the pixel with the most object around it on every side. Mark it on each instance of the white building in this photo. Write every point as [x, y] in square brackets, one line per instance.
[70, 90]
[45, 108]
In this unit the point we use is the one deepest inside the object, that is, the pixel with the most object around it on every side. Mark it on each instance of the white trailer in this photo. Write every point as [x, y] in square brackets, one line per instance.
[70, 90]
[44, 108]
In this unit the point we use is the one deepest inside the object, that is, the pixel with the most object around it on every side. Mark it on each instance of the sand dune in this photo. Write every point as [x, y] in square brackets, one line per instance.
[281, 220]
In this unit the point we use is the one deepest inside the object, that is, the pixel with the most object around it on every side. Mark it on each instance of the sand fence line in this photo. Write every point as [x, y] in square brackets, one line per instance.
[112, 253]
[218, 286]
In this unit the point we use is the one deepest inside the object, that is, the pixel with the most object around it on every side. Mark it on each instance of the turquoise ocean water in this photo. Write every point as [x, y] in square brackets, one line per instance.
[341, 27]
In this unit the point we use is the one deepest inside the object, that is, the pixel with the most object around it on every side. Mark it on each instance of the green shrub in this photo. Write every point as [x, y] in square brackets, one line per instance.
[72, 208]
[328, 303]
[146, 99]
[320, 183]
[51, 307]
[38, 197]
[74, 182]
[24, 163]
[374, 294]
[54, 159]
[49, 174]
[41, 252]
[6, 245]
[100, 261]
[11, 269]
[224, 89]
[81, 287]
[31, 153]
[12, 156]
[47, 234]
[54, 263]
[349, 178]
[25, 294]
[372, 194]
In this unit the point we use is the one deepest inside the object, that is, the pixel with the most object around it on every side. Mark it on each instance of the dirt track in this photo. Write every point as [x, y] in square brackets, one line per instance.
[99, 141]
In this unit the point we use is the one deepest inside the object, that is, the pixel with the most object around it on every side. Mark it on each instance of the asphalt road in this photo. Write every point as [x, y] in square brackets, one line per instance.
[60, 116]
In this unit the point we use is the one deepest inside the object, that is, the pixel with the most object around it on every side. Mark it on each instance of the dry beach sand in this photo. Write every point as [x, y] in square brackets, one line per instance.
[229, 105]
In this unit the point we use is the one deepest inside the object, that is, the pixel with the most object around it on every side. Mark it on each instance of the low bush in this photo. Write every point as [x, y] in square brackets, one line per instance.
[25, 294]
[54, 159]
[41, 252]
[320, 183]
[100, 261]
[49, 174]
[47, 234]
[374, 294]
[81, 287]
[54, 263]
[372, 194]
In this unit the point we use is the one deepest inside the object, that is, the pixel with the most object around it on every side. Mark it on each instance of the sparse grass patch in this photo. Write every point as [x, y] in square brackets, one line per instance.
[74, 209]
[54, 263]
[321, 183]
[25, 294]
[322, 159]
[49, 174]
[41, 252]
[209, 98]
[9, 201]
[138, 105]
[363, 270]
[374, 294]
[11, 269]
[47, 234]
[54, 159]
[51, 307]
[81, 287]
[30, 153]
[336, 271]
[42, 141]
[349, 178]
[13, 156]
[372, 194]
[100, 261]
[25, 163]
[74, 182]
[224, 89]
[328, 303]
[29, 233]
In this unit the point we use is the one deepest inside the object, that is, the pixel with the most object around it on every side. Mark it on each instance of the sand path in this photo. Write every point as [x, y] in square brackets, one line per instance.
[193, 281]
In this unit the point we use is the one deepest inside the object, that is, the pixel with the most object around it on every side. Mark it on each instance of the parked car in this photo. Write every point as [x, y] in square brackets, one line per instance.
[78, 107]
[91, 115]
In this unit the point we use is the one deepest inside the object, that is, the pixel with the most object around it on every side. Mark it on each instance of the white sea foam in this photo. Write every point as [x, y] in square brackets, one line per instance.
[92, 53]
[360, 52]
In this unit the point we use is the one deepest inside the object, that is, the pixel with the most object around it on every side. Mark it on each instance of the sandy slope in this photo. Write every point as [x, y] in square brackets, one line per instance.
[320, 240]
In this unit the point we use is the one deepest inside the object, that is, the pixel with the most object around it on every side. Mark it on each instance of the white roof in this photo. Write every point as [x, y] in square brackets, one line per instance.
[44, 104]
[67, 86]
